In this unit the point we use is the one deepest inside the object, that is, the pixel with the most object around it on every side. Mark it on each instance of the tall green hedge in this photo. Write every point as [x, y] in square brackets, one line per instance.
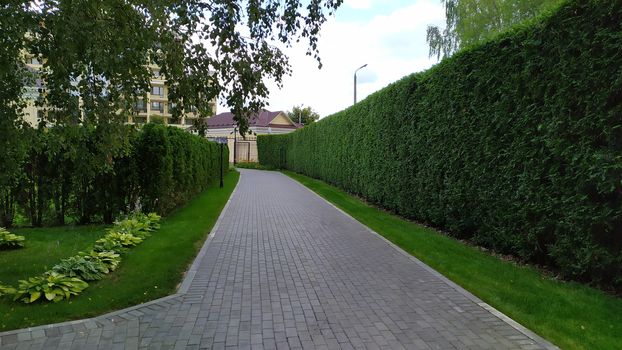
[174, 166]
[96, 174]
[515, 144]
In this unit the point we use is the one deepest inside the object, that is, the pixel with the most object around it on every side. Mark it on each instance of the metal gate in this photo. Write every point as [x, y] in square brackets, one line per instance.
[245, 150]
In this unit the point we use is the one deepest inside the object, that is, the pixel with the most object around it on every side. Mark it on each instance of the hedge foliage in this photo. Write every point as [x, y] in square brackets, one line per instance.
[515, 144]
[173, 166]
[95, 174]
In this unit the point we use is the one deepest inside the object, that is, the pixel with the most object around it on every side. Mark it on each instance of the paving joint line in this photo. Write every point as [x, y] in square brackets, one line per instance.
[519, 327]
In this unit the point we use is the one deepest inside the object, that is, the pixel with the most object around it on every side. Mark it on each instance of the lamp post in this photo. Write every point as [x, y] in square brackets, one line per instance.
[221, 142]
[358, 69]
[235, 145]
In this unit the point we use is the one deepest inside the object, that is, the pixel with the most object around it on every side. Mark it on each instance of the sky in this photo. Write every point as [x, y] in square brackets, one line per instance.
[387, 35]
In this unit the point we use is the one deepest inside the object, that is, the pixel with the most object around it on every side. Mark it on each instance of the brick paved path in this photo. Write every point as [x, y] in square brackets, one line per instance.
[285, 269]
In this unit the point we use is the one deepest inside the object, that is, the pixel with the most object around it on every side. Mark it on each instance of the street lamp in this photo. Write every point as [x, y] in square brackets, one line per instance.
[358, 69]
[221, 142]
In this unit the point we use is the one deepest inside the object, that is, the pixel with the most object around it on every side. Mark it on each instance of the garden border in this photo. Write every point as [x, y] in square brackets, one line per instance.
[80, 325]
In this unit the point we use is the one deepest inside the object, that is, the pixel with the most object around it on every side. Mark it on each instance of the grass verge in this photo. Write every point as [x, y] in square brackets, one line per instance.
[571, 315]
[149, 271]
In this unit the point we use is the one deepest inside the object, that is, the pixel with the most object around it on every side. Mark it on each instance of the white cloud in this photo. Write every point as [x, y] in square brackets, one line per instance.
[358, 4]
[392, 45]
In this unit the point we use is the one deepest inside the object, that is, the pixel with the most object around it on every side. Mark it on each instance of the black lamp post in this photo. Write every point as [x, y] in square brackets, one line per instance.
[358, 69]
[221, 142]
[235, 145]
[221, 181]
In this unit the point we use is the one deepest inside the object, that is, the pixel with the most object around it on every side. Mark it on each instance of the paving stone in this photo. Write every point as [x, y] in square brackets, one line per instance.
[286, 270]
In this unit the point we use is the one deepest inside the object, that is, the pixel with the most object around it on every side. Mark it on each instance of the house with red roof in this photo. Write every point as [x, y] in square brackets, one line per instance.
[244, 148]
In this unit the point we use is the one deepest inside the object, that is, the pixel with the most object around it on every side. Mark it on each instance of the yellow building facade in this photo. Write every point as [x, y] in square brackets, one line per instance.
[157, 104]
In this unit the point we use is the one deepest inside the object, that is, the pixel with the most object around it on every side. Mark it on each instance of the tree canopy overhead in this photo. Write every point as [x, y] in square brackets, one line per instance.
[99, 50]
[471, 21]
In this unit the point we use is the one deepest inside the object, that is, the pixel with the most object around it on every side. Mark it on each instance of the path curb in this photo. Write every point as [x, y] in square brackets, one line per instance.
[524, 330]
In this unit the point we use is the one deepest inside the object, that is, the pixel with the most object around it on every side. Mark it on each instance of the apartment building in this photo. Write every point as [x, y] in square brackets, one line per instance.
[157, 104]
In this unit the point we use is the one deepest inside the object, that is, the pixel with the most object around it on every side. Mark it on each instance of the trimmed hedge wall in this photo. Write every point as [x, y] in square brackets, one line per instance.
[515, 144]
[174, 166]
[75, 172]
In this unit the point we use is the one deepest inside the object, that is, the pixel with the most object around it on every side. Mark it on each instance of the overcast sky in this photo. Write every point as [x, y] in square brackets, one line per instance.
[388, 35]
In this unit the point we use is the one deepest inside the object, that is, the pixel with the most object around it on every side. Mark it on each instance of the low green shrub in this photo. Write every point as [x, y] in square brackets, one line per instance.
[133, 227]
[110, 259]
[514, 144]
[84, 267]
[51, 287]
[9, 240]
[139, 224]
[116, 241]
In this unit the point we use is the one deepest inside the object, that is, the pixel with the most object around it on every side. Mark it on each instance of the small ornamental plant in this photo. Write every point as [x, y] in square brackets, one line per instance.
[51, 286]
[110, 259]
[9, 240]
[68, 277]
[86, 268]
[116, 241]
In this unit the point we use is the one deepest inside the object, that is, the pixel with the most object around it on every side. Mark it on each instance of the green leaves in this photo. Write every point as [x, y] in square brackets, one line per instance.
[87, 268]
[174, 166]
[52, 287]
[116, 241]
[67, 278]
[9, 240]
[306, 115]
[513, 144]
[110, 259]
[468, 22]
[204, 49]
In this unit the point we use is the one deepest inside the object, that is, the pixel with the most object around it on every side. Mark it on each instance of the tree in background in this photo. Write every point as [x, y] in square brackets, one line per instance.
[304, 115]
[14, 19]
[468, 22]
[99, 50]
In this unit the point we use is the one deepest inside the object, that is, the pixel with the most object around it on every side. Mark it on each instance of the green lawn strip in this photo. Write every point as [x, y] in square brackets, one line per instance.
[44, 248]
[571, 315]
[149, 271]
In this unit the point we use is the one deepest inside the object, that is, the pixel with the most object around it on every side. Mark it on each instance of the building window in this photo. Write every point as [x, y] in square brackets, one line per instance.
[189, 121]
[140, 106]
[157, 90]
[157, 106]
[33, 60]
[156, 73]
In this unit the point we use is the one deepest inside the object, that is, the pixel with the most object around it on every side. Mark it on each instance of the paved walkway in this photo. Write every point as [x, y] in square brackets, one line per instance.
[285, 269]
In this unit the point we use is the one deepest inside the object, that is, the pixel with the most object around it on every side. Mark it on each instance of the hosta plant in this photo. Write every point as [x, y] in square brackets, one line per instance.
[136, 227]
[110, 258]
[84, 267]
[51, 287]
[9, 240]
[116, 241]
[151, 219]
[6, 290]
